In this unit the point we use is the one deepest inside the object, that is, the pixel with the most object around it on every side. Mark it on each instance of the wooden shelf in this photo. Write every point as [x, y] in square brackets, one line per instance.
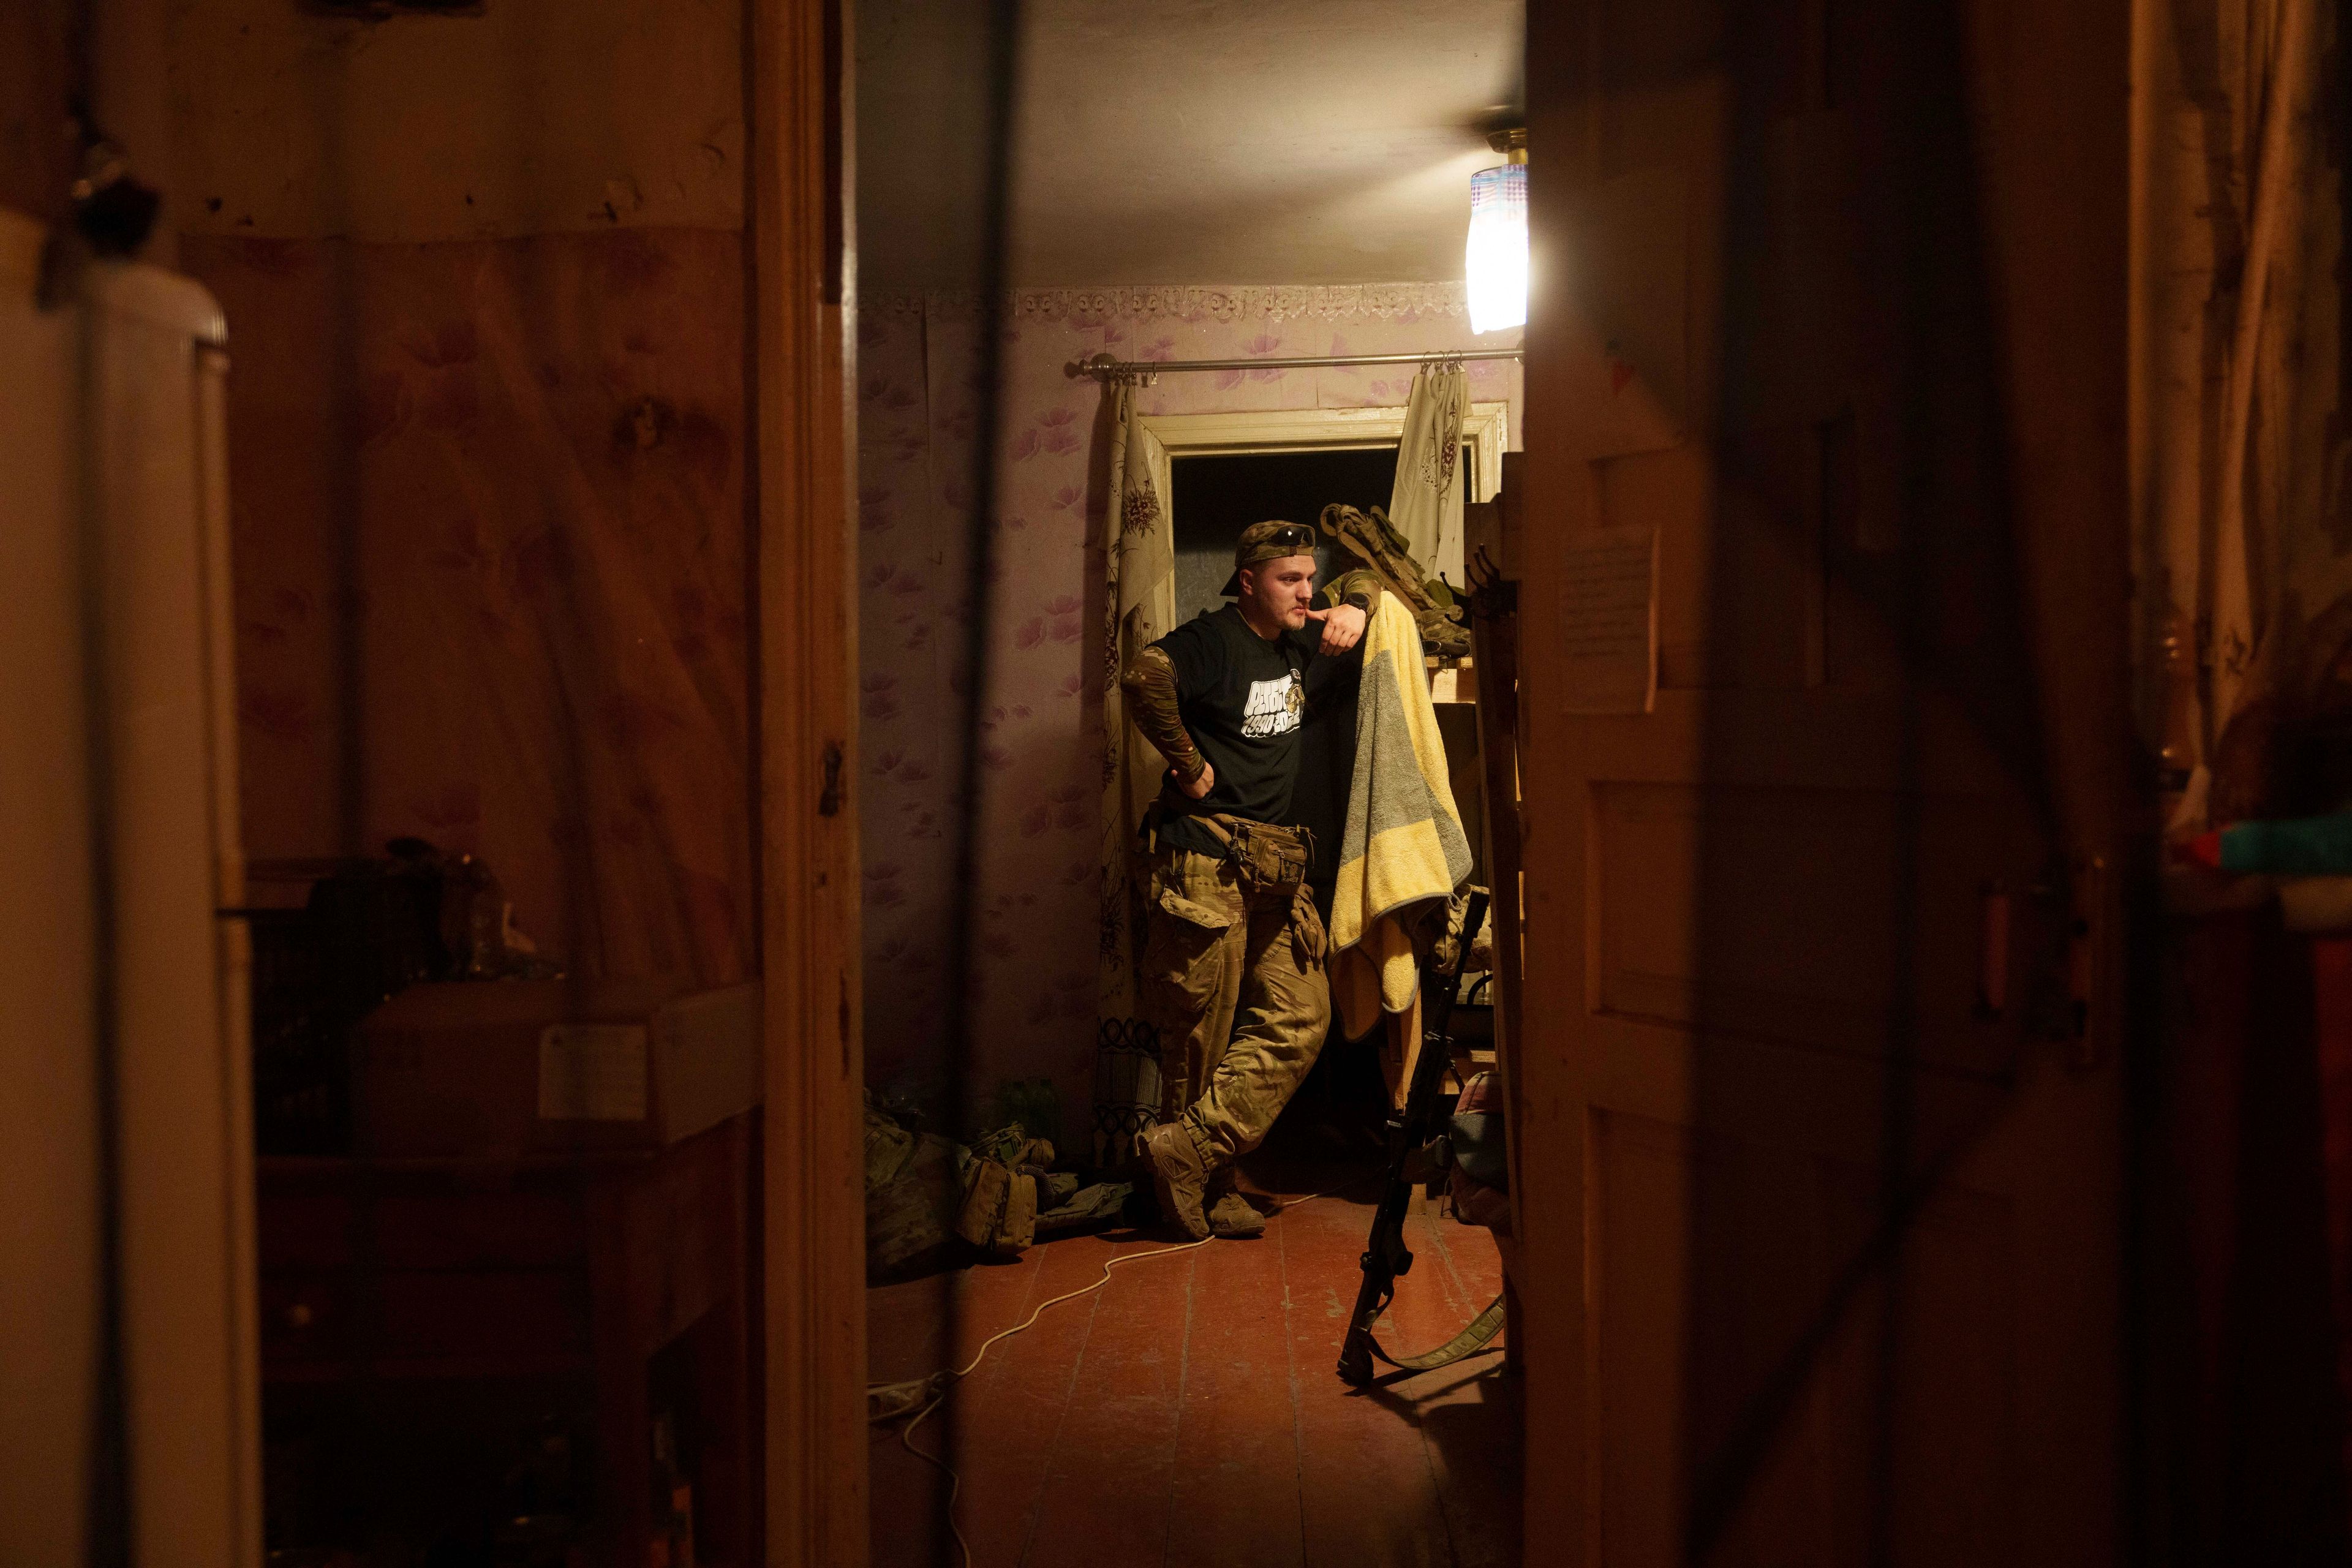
[425, 1369]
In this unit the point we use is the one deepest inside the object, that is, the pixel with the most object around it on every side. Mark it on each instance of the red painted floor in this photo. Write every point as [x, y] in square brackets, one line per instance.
[1188, 1411]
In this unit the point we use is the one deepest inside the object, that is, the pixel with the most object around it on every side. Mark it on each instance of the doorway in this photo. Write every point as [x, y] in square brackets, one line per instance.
[1108, 1426]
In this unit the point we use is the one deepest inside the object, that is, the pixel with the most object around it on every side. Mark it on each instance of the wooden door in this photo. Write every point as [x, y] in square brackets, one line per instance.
[1820, 1176]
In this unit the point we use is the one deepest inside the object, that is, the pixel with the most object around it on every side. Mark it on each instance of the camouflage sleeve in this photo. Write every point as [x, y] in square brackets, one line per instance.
[1362, 588]
[1150, 682]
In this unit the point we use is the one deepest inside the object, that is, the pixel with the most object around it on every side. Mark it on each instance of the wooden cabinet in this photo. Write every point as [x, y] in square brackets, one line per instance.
[542, 1268]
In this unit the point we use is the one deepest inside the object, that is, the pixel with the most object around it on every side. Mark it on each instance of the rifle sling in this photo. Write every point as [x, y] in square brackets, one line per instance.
[1469, 1341]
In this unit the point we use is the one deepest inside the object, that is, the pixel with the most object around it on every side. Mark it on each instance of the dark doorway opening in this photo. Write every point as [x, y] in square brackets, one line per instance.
[1218, 496]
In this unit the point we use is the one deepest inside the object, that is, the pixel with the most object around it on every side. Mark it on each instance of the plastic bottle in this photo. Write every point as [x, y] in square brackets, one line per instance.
[2296, 847]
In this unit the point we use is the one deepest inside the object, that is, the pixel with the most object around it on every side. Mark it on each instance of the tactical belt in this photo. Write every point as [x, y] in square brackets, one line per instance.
[1264, 854]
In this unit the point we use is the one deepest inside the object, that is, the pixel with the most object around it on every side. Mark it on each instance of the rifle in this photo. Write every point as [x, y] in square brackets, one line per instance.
[1386, 1256]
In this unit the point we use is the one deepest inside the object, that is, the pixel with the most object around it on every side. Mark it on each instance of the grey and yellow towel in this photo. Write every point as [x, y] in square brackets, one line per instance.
[1404, 844]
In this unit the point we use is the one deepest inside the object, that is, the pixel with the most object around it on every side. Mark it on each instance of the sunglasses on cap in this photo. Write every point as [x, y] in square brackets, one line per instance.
[1295, 537]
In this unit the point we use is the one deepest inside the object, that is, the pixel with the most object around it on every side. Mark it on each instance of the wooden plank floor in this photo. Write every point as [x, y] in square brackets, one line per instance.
[1188, 1412]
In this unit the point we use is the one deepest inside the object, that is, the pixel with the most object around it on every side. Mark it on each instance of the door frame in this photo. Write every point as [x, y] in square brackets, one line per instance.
[799, 230]
[1485, 429]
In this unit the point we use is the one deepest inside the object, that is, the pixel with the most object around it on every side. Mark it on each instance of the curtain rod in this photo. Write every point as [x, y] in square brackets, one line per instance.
[1104, 368]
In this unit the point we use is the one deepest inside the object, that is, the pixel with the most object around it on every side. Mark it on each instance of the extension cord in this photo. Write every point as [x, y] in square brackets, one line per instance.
[887, 1401]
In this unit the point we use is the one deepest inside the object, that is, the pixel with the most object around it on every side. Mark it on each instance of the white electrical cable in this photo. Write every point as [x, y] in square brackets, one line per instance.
[897, 1398]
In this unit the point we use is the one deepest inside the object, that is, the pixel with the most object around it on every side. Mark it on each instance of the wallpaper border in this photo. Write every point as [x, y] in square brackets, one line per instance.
[1195, 302]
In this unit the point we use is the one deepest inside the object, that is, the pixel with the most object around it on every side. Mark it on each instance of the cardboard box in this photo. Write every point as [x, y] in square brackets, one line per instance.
[504, 1068]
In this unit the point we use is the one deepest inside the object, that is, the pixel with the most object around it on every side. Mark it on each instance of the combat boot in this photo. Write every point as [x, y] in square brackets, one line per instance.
[1179, 1176]
[1233, 1217]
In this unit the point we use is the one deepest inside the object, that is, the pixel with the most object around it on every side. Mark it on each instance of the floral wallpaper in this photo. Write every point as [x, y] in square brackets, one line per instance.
[920, 404]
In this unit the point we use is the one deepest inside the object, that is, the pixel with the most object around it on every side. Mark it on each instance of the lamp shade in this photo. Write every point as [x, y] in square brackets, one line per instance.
[1497, 258]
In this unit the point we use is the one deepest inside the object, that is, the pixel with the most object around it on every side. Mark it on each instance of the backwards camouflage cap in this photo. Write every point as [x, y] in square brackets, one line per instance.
[1272, 540]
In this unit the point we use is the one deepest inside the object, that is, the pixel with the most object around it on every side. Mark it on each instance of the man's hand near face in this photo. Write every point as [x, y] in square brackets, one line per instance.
[1343, 627]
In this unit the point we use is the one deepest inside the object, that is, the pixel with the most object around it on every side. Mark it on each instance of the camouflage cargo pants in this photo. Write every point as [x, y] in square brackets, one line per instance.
[1233, 978]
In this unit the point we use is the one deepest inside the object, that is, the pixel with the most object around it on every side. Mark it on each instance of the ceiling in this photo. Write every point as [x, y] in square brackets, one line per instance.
[1228, 142]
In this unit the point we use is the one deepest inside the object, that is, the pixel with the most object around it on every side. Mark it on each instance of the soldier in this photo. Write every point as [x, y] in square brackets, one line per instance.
[1232, 967]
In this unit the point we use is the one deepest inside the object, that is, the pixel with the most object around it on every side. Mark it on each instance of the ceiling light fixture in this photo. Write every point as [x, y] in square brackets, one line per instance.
[1496, 261]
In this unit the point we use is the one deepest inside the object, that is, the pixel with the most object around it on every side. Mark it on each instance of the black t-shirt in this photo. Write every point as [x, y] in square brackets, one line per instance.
[1248, 701]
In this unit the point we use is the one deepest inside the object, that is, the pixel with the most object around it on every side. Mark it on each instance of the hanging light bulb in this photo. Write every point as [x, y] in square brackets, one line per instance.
[1496, 261]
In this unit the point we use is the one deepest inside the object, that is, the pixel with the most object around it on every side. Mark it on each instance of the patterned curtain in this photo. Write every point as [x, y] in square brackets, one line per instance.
[1426, 504]
[2245, 530]
[1139, 551]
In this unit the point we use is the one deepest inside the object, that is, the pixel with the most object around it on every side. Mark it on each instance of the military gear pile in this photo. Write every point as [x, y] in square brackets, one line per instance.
[996, 1195]
[1370, 538]
[1004, 1179]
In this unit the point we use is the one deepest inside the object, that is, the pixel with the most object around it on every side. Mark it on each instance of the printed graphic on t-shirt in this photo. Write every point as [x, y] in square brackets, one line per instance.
[1275, 708]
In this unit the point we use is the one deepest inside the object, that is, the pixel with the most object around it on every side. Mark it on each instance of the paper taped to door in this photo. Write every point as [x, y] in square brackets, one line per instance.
[1609, 620]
